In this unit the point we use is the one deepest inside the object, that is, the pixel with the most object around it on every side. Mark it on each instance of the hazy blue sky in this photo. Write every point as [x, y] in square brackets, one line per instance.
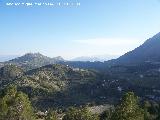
[96, 27]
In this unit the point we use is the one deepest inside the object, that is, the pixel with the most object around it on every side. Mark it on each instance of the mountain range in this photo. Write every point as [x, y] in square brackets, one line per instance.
[100, 58]
[55, 82]
[147, 52]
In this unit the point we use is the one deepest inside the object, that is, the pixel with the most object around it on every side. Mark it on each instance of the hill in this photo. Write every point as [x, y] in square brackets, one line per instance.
[46, 85]
[33, 60]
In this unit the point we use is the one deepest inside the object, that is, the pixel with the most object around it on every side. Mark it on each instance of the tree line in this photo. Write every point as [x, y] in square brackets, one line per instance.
[16, 105]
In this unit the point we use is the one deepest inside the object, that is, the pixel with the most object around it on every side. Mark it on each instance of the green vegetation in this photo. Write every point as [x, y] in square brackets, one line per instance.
[79, 114]
[50, 81]
[15, 106]
[52, 115]
[128, 109]
[59, 85]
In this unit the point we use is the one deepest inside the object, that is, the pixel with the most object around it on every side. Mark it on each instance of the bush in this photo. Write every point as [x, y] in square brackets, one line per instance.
[79, 114]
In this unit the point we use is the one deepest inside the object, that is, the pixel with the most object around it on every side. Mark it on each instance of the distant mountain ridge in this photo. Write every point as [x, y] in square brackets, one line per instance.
[33, 60]
[100, 58]
[4, 58]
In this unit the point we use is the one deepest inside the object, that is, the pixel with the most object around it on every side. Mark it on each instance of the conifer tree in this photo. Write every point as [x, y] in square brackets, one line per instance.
[128, 109]
[15, 106]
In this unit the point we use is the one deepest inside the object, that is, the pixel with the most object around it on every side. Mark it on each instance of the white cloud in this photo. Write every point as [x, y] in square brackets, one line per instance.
[110, 42]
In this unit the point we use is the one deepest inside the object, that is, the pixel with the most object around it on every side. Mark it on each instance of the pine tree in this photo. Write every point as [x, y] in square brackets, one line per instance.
[15, 106]
[128, 109]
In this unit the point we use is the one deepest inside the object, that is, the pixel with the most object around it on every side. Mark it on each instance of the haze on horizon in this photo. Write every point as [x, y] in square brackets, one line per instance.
[94, 28]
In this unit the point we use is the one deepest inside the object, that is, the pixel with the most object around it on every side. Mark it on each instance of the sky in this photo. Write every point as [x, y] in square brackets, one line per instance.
[86, 28]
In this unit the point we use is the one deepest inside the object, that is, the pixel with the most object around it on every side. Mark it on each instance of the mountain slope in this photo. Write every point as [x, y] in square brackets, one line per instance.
[8, 74]
[54, 77]
[147, 52]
